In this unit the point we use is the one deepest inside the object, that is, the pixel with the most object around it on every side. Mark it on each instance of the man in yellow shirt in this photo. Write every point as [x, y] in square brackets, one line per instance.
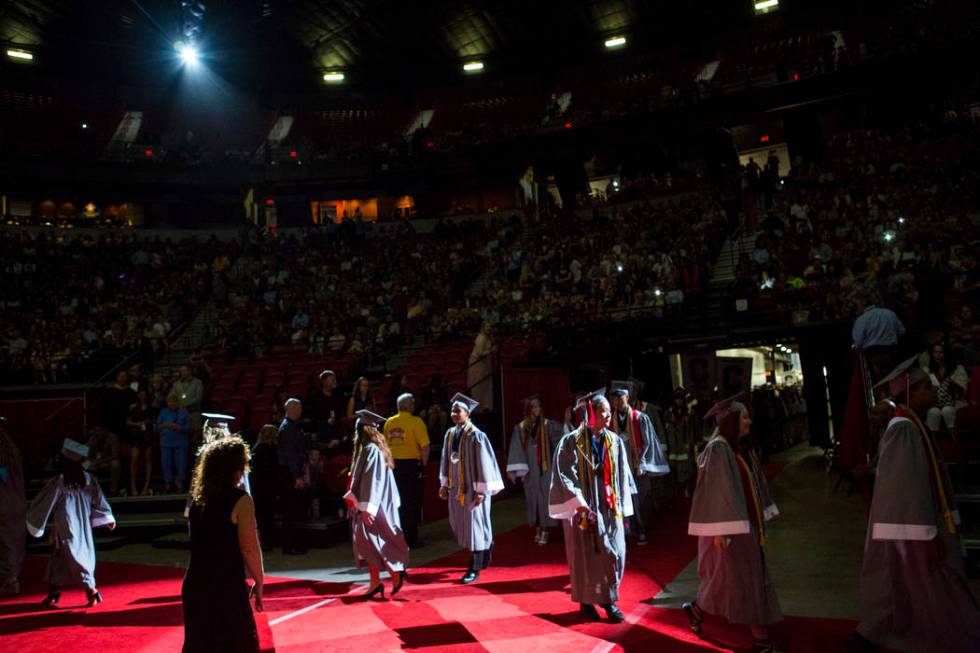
[408, 440]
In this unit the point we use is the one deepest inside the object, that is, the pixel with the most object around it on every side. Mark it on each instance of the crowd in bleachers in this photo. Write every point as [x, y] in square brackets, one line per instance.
[888, 216]
[358, 288]
[72, 306]
[611, 264]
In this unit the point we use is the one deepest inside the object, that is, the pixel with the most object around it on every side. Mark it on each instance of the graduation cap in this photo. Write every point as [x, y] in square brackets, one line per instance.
[325, 373]
[466, 403]
[725, 407]
[366, 418]
[903, 377]
[531, 402]
[74, 450]
[217, 420]
[620, 388]
[292, 400]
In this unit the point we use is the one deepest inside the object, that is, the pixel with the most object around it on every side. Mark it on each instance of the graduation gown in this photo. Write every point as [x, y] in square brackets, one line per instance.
[373, 491]
[469, 470]
[525, 462]
[597, 554]
[681, 438]
[732, 499]
[73, 513]
[913, 586]
[13, 511]
[646, 454]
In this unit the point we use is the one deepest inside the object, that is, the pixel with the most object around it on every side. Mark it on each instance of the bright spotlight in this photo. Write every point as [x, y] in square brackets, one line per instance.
[889, 236]
[333, 77]
[20, 55]
[473, 66]
[616, 42]
[763, 6]
[619, 267]
[901, 220]
[188, 54]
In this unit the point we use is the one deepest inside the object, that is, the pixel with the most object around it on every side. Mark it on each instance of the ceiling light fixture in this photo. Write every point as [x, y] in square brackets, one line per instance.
[616, 42]
[473, 66]
[20, 55]
[334, 77]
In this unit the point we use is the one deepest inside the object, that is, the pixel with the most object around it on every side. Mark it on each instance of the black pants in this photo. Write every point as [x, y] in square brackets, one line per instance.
[293, 507]
[481, 559]
[408, 477]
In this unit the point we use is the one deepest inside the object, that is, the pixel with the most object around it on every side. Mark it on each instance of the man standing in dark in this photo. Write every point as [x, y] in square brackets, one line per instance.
[293, 453]
[326, 408]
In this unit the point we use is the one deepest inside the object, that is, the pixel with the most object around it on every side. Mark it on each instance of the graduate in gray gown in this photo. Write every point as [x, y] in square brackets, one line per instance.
[13, 511]
[729, 511]
[529, 460]
[72, 504]
[468, 477]
[373, 499]
[913, 585]
[591, 493]
[646, 455]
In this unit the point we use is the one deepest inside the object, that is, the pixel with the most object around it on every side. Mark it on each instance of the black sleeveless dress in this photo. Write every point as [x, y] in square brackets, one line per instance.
[217, 614]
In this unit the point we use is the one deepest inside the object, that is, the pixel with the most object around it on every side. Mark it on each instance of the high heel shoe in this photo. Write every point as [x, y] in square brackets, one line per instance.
[696, 617]
[401, 581]
[94, 597]
[378, 589]
[52, 598]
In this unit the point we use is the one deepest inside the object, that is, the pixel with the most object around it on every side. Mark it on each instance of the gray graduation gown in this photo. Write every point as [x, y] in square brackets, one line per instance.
[522, 463]
[480, 474]
[73, 513]
[596, 556]
[914, 599]
[649, 460]
[734, 581]
[373, 490]
[13, 512]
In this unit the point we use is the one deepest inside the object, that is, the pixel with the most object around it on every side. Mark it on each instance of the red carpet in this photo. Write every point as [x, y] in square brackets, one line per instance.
[520, 604]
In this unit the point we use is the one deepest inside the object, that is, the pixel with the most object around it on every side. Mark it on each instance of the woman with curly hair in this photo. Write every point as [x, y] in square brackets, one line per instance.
[224, 543]
[374, 501]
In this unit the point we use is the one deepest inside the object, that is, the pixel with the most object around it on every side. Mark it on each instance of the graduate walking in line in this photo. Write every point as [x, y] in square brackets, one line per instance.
[72, 504]
[592, 492]
[13, 511]
[468, 477]
[913, 584]
[373, 499]
[729, 511]
[529, 460]
[646, 455]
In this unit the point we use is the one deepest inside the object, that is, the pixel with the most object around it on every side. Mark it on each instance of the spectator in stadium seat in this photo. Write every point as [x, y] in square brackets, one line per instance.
[951, 381]
[361, 398]
[174, 427]
[325, 408]
[189, 390]
[104, 457]
[293, 454]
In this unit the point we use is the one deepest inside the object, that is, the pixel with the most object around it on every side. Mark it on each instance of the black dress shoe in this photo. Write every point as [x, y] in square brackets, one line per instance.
[615, 614]
[52, 598]
[589, 612]
[94, 597]
[470, 577]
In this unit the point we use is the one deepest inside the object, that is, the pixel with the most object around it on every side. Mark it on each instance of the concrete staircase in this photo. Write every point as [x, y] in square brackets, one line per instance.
[741, 242]
[198, 333]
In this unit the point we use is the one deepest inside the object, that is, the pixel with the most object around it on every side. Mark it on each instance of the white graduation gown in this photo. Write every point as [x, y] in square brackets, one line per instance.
[73, 513]
[373, 491]
[522, 463]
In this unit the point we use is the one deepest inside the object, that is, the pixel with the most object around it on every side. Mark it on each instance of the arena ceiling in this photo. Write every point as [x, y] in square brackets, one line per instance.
[281, 42]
